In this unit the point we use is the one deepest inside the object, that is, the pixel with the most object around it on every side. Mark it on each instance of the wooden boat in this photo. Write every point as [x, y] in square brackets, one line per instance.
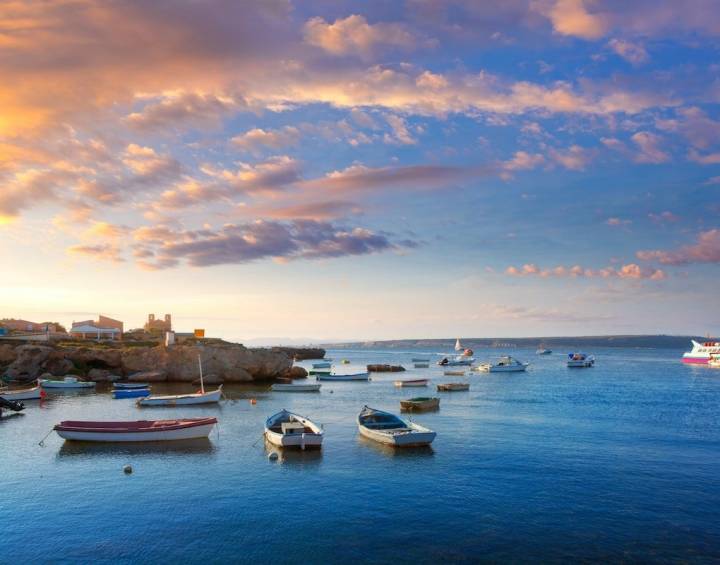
[454, 373]
[288, 387]
[321, 365]
[419, 404]
[340, 378]
[200, 397]
[131, 393]
[286, 429]
[33, 393]
[421, 365]
[131, 385]
[450, 387]
[412, 382]
[67, 382]
[505, 364]
[316, 372]
[142, 430]
[389, 429]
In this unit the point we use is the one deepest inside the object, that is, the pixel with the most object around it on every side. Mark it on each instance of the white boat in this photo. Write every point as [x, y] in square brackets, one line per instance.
[505, 364]
[67, 382]
[139, 431]
[543, 351]
[350, 377]
[458, 345]
[389, 429]
[288, 387]
[21, 393]
[412, 382]
[286, 429]
[701, 352]
[459, 361]
[580, 360]
[321, 365]
[200, 397]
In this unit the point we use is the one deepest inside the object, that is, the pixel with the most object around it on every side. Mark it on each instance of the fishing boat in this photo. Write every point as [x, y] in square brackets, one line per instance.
[420, 404]
[421, 365]
[460, 360]
[200, 397]
[505, 364]
[131, 393]
[131, 385]
[321, 365]
[67, 382]
[389, 429]
[454, 373]
[141, 430]
[701, 352]
[451, 387]
[349, 377]
[289, 387]
[543, 351]
[580, 360]
[412, 382]
[286, 429]
[33, 393]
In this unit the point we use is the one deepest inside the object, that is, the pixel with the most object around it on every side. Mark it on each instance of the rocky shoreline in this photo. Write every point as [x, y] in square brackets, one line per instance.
[222, 362]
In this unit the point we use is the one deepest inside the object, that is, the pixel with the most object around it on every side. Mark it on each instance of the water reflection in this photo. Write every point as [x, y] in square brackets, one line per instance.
[399, 452]
[182, 447]
[308, 457]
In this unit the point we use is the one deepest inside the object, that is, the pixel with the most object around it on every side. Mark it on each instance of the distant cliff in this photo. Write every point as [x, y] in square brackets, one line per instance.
[221, 361]
[580, 342]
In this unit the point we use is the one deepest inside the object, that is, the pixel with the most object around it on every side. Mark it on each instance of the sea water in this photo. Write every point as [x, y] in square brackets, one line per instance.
[616, 462]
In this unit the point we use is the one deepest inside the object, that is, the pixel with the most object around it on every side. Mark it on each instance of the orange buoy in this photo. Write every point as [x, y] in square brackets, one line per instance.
[253, 401]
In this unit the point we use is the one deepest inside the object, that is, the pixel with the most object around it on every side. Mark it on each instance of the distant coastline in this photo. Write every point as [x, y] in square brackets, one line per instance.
[573, 342]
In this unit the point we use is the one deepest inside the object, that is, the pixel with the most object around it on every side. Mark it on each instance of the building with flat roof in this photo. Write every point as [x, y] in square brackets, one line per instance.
[12, 324]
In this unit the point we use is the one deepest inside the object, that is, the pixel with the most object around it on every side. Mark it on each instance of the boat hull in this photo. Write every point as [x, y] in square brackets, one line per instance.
[280, 387]
[409, 439]
[131, 393]
[342, 378]
[131, 385]
[301, 441]
[580, 364]
[496, 369]
[182, 400]
[191, 429]
[696, 360]
[415, 383]
[62, 384]
[310, 438]
[420, 405]
[21, 394]
[453, 387]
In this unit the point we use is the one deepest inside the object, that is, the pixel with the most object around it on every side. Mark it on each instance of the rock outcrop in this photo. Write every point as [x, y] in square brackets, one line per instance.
[301, 353]
[226, 362]
[385, 368]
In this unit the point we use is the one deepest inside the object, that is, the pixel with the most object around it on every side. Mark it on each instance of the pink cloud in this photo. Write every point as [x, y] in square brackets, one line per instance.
[629, 271]
[706, 250]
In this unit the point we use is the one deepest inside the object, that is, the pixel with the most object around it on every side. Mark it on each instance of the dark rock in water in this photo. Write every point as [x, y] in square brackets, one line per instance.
[296, 373]
[385, 368]
[13, 405]
[301, 353]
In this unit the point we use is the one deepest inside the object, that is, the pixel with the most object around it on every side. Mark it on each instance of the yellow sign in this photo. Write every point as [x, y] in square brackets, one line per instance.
[199, 333]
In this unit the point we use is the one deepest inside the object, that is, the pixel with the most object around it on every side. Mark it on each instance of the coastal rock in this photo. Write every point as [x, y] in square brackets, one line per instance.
[58, 365]
[148, 377]
[101, 376]
[385, 368]
[296, 373]
[28, 362]
[301, 353]
[7, 353]
[239, 376]
[211, 379]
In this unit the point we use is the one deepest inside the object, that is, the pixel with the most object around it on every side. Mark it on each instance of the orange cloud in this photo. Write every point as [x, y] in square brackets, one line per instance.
[629, 271]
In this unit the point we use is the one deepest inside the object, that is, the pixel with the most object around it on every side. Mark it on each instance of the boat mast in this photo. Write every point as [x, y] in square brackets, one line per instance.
[202, 386]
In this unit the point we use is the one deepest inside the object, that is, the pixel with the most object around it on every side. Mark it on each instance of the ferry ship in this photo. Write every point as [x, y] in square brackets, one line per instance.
[701, 352]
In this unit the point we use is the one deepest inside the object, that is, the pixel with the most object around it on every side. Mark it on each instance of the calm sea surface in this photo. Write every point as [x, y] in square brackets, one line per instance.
[617, 462]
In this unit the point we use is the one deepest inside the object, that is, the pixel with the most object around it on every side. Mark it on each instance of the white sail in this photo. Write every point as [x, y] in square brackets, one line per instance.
[458, 346]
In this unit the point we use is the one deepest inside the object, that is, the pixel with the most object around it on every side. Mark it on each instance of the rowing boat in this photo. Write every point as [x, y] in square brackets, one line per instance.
[339, 378]
[286, 387]
[412, 382]
[200, 397]
[389, 429]
[286, 429]
[419, 404]
[21, 393]
[67, 382]
[141, 430]
[131, 385]
[450, 387]
[131, 393]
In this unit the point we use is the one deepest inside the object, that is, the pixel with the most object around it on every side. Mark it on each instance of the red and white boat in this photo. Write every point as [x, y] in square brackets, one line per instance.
[140, 430]
[701, 352]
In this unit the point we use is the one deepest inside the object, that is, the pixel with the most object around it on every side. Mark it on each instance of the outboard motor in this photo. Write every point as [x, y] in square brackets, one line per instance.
[13, 405]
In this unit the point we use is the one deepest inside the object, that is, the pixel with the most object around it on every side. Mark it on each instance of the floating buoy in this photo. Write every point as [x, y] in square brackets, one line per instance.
[253, 401]
[273, 456]
[127, 469]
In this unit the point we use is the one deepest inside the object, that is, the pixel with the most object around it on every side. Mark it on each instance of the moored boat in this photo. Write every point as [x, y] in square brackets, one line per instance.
[136, 431]
[701, 352]
[321, 365]
[349, 377]
[200, 397]
[459, 361]
[289, 387]
[316, 372]
[67, 382]
[33, 393]
[419, 404]
[131, 393]
[412, 382]
[286, 429]
[131, 385]
[454, 373]
[505, 364]
[450, 387]
[389, 429]
[543, 351]
[580, 360]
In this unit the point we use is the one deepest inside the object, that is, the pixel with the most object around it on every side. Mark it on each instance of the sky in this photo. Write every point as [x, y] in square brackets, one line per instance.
[339, 170]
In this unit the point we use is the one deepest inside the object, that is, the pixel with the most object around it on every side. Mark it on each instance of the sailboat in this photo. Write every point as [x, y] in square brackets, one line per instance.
[200, 397]
[458, 345]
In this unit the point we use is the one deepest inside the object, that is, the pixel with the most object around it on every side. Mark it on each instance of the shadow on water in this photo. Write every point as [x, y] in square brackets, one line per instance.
[181, 447]
[397, 452]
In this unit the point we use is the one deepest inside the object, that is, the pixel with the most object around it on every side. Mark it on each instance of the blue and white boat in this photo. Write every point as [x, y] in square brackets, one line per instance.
[131, 385]
[350, 377]
[389, 429]
[131, 393]
[321, 365]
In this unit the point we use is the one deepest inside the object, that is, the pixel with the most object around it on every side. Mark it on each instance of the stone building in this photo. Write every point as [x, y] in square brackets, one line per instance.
[155, 325]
